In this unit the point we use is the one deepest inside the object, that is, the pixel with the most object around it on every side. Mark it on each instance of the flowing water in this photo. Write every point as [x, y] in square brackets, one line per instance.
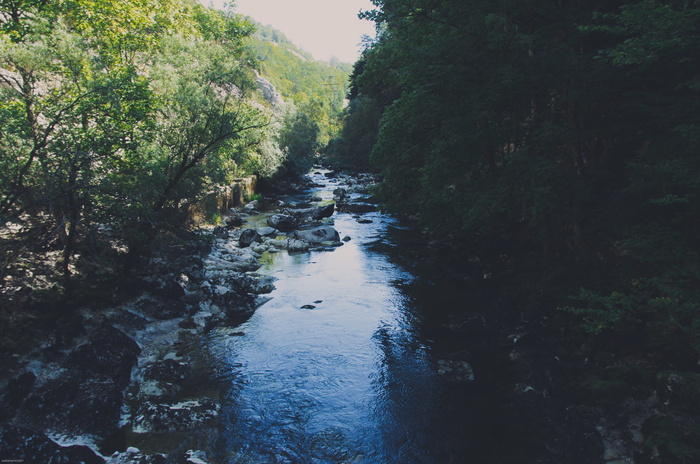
[335, 367]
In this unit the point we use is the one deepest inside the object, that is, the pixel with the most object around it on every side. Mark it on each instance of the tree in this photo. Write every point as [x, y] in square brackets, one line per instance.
[100, 129]
[299, 137]
[359, 134]
[557, 138]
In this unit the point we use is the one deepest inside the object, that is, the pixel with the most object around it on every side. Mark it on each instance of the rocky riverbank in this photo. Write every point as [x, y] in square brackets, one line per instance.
[133, 382]
[115, 376]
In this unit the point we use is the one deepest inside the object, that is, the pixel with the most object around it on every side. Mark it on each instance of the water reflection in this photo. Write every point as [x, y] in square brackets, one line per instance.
[333, 369]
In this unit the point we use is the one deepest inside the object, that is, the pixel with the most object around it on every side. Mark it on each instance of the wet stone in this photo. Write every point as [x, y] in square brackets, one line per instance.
[134, 456]
[62, 406]
[248, 237]
[167, 370]
[163, 416]
[283, 222]
[27, 446]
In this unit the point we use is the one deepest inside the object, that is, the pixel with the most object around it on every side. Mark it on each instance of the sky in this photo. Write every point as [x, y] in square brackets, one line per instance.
[324, 28]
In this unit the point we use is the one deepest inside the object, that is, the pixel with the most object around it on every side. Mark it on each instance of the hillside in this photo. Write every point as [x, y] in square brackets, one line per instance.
[315, 88]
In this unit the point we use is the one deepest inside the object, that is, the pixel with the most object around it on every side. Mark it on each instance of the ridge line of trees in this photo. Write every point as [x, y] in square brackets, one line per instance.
[554, 142]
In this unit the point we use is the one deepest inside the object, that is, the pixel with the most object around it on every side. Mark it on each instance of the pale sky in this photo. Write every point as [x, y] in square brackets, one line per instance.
[323, 28]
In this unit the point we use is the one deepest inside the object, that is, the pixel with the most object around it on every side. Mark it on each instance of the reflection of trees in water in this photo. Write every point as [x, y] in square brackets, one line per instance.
[412, 404]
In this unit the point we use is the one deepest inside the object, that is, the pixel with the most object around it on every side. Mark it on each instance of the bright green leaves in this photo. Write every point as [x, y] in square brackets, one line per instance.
[113, 112]
[19, 17]
[201, 90]
[119, 30]
[227, 28]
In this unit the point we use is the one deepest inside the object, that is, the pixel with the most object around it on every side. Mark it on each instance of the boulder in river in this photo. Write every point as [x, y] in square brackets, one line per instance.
[321, 212]
[163, 416]
[283, 222]
[249, 236]
[266, 231]
[318, 235]
[23, 445]
[297, 245]
[134, 456]
[340, 194]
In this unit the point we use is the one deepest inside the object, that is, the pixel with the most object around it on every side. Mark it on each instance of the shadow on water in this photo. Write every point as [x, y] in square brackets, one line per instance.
[340, 366]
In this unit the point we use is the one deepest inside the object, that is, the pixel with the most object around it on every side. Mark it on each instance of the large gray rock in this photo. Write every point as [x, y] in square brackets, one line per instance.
[283, 222]
[323, 211]
[165, 416]
[268, 90]
[135, 456]
[266, 231]
[249, 236]
[294, 245]
[109, 352]
[318, 235]
[340, 194]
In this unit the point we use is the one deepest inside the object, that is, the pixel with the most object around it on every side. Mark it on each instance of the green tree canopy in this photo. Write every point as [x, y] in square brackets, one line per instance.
[557, 139]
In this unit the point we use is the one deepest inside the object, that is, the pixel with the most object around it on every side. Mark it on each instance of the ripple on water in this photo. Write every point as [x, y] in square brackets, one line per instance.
[350, 381]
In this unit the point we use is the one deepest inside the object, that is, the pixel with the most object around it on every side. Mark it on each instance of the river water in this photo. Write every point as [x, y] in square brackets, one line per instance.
[336, 367]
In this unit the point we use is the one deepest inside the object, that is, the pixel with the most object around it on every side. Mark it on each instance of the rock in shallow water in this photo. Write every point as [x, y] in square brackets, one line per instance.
[134, 456]
[22, 445]
[318, 235]
[283, 222]
[172, 417]
[167, 370]
[247, 238]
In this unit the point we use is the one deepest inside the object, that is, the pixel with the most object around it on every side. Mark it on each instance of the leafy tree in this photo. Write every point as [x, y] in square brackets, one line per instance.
[557, 138]
[299, 137]
[66, 119]
[116, 113]
[359, 133]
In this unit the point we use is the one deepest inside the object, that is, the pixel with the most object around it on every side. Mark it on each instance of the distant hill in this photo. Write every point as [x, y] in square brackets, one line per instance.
[318, 88]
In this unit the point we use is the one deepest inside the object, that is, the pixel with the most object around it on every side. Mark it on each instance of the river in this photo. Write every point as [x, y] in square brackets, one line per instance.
[336, 367]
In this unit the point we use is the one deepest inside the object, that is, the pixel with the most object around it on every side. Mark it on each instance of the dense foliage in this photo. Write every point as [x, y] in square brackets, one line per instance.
[314, 93]
[122, 116]
[555, 141]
